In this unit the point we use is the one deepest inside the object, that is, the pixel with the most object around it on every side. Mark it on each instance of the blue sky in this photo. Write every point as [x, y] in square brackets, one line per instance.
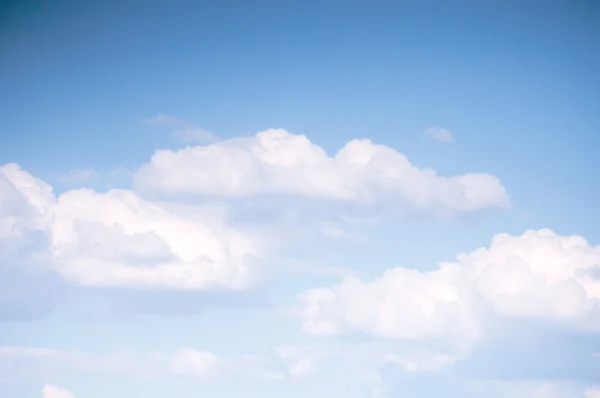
[293, 198]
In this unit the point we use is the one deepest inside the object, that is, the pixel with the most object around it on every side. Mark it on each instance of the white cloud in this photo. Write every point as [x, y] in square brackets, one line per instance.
[118, 239]
[51, 391]
[439, 134]
[539, 275]
[277, 162]
[77, 176]
[25, 202]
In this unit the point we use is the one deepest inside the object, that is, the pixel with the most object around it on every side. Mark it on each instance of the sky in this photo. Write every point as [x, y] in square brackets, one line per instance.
[338, 199]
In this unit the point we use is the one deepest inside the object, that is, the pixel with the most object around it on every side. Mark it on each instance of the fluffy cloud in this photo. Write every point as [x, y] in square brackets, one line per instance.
[278, 162]
[24, 246]
[25, 202]
[538, 275]
[121, 239]
[118, 239]
[51, 391]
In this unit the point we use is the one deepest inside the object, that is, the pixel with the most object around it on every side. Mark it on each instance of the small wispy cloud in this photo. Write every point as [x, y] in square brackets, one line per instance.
[193, 134]
[182, 130]
[165, 120]
[439, 134]
[77, 176]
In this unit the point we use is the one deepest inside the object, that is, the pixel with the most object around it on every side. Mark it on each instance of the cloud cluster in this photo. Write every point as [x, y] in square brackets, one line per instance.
[538, 275]
[120, 238]
[167, 235]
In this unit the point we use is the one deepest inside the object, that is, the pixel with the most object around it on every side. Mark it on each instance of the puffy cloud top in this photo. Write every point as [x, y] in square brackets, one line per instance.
[539, 275]
[277, 162]
[118, 239]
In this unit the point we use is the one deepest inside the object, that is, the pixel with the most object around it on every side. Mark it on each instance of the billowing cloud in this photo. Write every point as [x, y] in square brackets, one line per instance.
[26, 202]
[121, 239]
[538, 275]
[278, 162]
[118, 239]
[51, 391]
[25, 218]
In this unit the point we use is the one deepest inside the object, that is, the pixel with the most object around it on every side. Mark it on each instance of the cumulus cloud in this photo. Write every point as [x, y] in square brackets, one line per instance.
[278, 162]
[25, 247]
[122, 239]
[118, 239]
[25, 200]
[51, 391]
[538, 275]
[439, 134]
